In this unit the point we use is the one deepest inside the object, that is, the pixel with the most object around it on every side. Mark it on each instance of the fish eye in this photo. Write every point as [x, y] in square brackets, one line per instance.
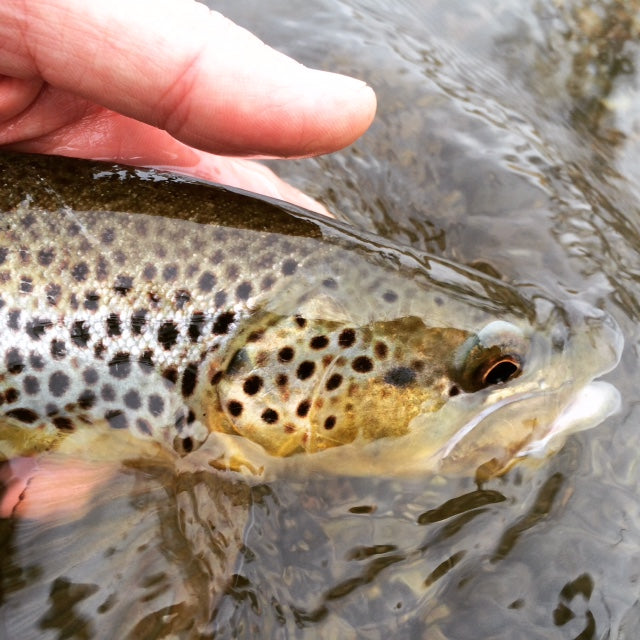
[503, 370]
[494, 356]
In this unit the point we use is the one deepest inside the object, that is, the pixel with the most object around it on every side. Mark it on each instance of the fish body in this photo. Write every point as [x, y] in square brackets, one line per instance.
[171, 309]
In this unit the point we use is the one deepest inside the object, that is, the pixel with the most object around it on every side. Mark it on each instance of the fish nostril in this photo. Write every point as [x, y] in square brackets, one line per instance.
[501, 371]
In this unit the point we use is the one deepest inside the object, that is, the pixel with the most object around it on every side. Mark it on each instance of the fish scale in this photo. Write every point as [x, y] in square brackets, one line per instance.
[132, 300]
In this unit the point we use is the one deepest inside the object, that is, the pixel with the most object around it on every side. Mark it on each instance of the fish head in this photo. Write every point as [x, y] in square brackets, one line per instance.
[415, 398]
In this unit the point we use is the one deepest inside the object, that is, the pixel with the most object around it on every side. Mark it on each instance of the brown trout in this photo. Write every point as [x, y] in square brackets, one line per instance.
[183, 313]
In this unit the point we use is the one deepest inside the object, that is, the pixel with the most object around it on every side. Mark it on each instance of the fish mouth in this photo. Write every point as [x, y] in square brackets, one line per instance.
[510, 427]
[534, 415]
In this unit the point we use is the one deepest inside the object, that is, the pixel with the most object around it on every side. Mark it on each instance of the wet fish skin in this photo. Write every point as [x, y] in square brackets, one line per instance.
[172, 309]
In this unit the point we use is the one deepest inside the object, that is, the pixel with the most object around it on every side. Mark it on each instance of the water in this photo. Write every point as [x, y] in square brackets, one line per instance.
[506, 139]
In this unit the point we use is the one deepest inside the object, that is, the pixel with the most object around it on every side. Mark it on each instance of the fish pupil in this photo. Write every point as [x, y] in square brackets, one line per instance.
[501, 371]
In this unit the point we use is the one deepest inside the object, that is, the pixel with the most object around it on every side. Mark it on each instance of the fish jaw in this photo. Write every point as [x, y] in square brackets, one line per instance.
[591, 405]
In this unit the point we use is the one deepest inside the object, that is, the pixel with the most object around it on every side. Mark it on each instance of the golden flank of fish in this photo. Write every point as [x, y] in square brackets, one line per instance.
[190, 315]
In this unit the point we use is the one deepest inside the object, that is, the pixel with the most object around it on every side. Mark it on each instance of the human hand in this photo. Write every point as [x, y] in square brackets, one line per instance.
[166, 83]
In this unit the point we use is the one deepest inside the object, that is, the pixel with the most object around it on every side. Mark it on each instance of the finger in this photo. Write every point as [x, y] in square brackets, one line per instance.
[185, 69]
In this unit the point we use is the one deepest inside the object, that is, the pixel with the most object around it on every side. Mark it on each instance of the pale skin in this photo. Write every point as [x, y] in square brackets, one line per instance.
[163, 83]
[166, 83]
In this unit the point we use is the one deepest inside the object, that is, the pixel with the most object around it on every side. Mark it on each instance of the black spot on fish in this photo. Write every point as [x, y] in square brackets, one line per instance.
[285, 354]
[195, 326]
[13, 321]
[149, 272]
[116, 419]
[282, 380]
[138, 320]
[189, 379]
[252, 385]
[305, 369]
[58, 349]
[255, 336]
[3, 254]
[35, 328]
[334, 382]
[120, 365]
[222, 323]
[118, 257]
[220, 299]
[90, 375]
[330, 283]
[319, 342]
[58, 383]
[31, 385]
[123, 284]
[267, 282]
[235, 408]
[113, 325]
[329, 423]
[45, 257]
[182, 296]
[156, 405]
[132, 399]
[86, 399]
[206, 282]
[269, 416]
[289, 267]
[36, 361]
[14, 361]
[389, 296]
[63, 423]
[168, 335]
[347, 338]
[102, 269]
[51, 409]
[11, 395]
[80, 272]
[381, 350]
[232, 272]
[107, 393]
[26, 284]
[216, 377]
[53, 293]
[400, 377]
[243, 290]
[99, 349]
[170, 273]
[27, 416]
[91, 300]
[108, 236]
[362, 364]
[303, 408]
[170, 374]
[145, 361]
[143, 426]
[300, 321]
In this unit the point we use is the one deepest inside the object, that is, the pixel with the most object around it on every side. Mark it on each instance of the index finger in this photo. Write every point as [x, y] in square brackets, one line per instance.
[185, 69]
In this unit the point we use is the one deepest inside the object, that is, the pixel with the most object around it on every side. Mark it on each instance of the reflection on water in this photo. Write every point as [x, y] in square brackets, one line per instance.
[507, 138]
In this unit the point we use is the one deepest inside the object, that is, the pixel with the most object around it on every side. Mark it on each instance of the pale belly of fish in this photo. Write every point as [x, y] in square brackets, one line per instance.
[182, 314]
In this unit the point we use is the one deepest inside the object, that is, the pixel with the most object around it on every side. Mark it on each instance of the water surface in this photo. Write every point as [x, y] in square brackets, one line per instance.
[506, 139]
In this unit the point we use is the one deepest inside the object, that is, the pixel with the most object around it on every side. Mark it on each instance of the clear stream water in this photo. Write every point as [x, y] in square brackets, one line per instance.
[507, 138]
